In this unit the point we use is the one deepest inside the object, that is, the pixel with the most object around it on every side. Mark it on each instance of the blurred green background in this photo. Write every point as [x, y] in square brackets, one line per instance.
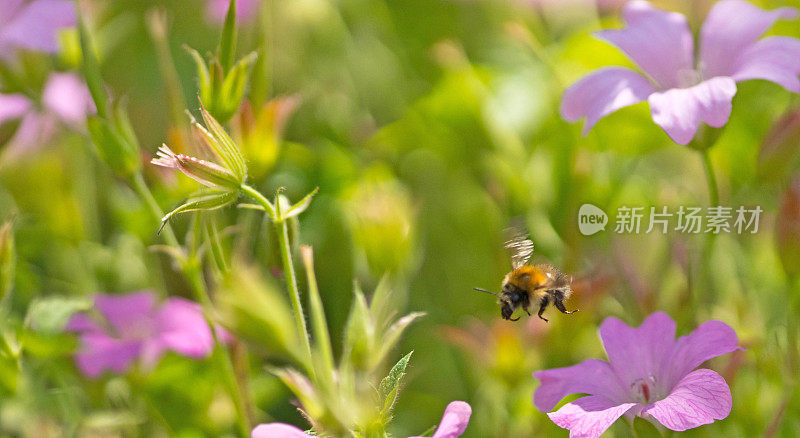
[429, 126]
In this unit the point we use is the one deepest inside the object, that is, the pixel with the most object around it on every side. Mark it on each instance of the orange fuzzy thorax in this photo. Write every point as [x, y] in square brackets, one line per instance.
[526, 277]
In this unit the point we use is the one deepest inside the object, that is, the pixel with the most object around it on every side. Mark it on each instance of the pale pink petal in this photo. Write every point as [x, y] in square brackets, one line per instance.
[278, 430]
[36, 26]
[711, 339]
[8, 8]
[775, 59]
[99, 352]
[602, 92]
[589, 417]
[659, 41]
[593, 376]
[128, 313]
[66, 95]
[729, 29]
[700, 398]
[454, 421]
[33, 132]
[638, 353]
[216, 10]
[182, 328]
[13, 106]
[679, 111]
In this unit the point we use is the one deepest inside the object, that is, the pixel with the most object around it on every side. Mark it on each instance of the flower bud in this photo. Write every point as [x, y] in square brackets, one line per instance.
[222, 91]
[202, 171]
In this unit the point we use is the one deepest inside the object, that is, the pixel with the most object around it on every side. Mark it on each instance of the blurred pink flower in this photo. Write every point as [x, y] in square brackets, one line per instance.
[649, 374]
[681, 92]
[454, 423]
[33, 25]
[127, 327]
[65, 99]
[217, 9]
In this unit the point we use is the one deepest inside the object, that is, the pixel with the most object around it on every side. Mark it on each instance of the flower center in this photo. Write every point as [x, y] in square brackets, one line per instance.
[689, 78]
[642, 389]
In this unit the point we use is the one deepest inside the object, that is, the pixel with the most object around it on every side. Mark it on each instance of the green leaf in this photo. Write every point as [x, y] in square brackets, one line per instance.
[203, 76]
[7, 259]
[233, 87]
[227, 44]
[300, 206]
[49, 315]
[390, 386]
[359, 332]
[91, 68]
[204, 200]
[392, 336]
[114, 147]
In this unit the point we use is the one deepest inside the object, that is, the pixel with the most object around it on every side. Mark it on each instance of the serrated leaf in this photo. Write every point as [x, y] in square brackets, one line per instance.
[390, 386]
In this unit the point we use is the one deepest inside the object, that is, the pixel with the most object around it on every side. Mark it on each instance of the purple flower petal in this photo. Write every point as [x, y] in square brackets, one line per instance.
[700, 398]
[659, 41]
[601, 93]
[99, 352]
[278, 430]
[729, 29]
[68, 97]
[80, 322]
[182, 328]
[13, 106]
[775, 59]
[454, 421]
[593, 376]
[589, 417]
[679, 111]
[216, 10]
[127, 313]
[34, 131]
[8, 8]
[711, 339]
[636, 353]
[37, 24]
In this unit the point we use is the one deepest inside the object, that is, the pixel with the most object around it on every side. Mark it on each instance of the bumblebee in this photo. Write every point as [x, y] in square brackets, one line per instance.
[530, 285]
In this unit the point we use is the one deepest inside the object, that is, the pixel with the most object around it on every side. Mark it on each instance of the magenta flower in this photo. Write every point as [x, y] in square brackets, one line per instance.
[216, 10]
[65, 99]
[682, 91]
[649, 374]
[454, 423]
[127, 327]
[33, 25]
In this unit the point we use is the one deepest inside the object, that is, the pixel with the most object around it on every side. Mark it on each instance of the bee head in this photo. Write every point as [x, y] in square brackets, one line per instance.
[506, 308]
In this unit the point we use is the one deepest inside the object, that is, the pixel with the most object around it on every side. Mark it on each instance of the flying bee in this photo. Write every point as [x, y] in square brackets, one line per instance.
[530, 285]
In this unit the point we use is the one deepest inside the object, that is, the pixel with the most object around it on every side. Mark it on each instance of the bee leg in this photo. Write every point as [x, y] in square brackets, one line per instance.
[514, 319]
[543, 306]
[560, 306]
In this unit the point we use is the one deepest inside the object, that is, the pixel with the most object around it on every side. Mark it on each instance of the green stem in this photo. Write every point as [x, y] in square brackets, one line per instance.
[288, 269]
[190, 269]
[711, 178]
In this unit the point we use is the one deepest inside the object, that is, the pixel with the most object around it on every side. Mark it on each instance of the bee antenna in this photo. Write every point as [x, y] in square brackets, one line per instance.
[484, 291]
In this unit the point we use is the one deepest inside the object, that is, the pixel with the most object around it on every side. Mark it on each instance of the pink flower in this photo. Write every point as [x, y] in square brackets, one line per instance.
[33, 25]
[648, 374]
[681, 91]
[216, 10]
[65, 99]
[454, 423]
[127, 327]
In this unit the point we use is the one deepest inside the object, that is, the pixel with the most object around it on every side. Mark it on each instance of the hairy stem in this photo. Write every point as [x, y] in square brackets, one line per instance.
[191, 271]
[288, 269]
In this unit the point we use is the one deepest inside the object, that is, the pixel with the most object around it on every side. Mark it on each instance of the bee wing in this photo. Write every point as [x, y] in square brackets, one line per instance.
[520, 246]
